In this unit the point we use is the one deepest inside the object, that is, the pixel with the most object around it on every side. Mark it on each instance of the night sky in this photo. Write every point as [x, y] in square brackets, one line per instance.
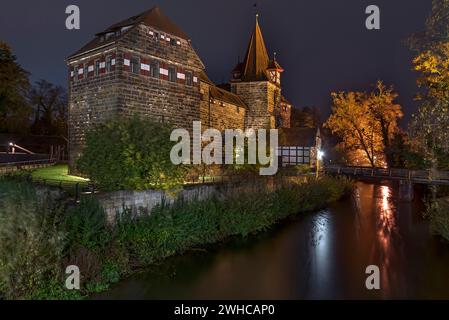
[323, 45]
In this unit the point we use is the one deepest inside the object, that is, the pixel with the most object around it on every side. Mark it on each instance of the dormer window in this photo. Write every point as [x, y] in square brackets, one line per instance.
[109, 35]
[124, 29]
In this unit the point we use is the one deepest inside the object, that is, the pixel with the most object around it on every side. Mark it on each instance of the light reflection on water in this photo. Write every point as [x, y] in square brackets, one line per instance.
[386, 226]
[316, 255]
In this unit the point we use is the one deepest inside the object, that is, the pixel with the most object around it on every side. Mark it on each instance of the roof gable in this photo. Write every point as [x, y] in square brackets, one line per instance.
[153, 18]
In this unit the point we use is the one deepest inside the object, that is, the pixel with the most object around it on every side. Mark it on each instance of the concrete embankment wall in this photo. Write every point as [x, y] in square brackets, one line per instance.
[142, 202]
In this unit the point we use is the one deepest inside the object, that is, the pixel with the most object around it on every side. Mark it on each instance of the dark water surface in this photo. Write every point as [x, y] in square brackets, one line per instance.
[315, 256]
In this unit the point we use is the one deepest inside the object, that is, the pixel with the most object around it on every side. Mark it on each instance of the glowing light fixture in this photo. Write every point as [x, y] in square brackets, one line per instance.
[320, 154]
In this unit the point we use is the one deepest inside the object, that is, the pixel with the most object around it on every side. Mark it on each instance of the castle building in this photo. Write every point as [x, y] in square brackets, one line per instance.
[146, 65]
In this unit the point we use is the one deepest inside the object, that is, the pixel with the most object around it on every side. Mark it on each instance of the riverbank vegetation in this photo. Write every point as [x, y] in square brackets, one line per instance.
[41, 234]
[438, 212]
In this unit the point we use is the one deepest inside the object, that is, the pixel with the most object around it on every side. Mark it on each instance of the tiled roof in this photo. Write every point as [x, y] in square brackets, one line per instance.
[205, 78]
[226, 96]
[300, 137]
[221, 93]
[256, 61]
[153, 18]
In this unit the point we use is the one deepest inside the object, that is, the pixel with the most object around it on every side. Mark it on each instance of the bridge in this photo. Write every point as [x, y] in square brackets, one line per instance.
[406, 177]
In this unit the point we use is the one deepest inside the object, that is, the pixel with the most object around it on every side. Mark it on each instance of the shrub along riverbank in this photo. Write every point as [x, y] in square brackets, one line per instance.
[40, 235]
[438, 213]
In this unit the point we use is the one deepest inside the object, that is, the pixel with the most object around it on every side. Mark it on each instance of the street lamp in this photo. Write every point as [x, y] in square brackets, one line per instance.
[13, 150]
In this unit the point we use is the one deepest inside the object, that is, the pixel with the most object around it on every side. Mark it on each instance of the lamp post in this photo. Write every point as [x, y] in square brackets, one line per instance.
[13, 149]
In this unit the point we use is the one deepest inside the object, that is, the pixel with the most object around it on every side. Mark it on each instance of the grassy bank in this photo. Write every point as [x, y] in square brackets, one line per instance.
[57, 173]
[40, 236]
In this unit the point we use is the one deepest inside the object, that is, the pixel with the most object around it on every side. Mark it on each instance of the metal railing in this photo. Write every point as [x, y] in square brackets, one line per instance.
[418, 176]
[73, 188]
[27, 163]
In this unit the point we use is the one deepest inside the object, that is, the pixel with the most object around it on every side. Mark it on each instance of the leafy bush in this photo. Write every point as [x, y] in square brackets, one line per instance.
[31, 240]
[87, 225]
[91, 245]
[300, 169]
[438, 212]
[130, 154]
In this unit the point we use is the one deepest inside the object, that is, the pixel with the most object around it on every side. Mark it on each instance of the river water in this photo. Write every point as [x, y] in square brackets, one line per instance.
[320, 255]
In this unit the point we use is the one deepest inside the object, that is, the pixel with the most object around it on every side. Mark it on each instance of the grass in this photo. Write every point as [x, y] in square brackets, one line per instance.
[59, 173]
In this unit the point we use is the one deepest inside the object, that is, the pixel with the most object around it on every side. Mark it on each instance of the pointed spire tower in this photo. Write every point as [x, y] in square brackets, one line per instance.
[256, 59]
[257, 81]
[257, 65]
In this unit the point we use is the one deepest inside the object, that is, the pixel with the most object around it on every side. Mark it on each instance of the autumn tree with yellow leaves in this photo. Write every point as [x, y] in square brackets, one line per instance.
[366, 124]
[429, 128]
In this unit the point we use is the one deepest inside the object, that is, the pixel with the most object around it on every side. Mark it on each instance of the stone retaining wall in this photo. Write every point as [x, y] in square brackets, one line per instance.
[142, 202]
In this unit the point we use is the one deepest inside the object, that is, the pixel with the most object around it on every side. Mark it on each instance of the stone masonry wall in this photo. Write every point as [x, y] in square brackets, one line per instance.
[98, 94]
[142, 202]
[93, 99]
[284, 111]
[174, 102]
[259, 97]
[219, 115]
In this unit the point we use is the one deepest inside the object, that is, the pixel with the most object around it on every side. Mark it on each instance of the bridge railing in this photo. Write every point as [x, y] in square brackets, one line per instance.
[390, 173]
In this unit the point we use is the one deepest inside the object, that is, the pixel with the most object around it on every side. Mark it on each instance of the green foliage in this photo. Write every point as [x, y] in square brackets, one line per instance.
[438, 212]
[299, 169]
[31, 240]
[130, 154]
[87, 226]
